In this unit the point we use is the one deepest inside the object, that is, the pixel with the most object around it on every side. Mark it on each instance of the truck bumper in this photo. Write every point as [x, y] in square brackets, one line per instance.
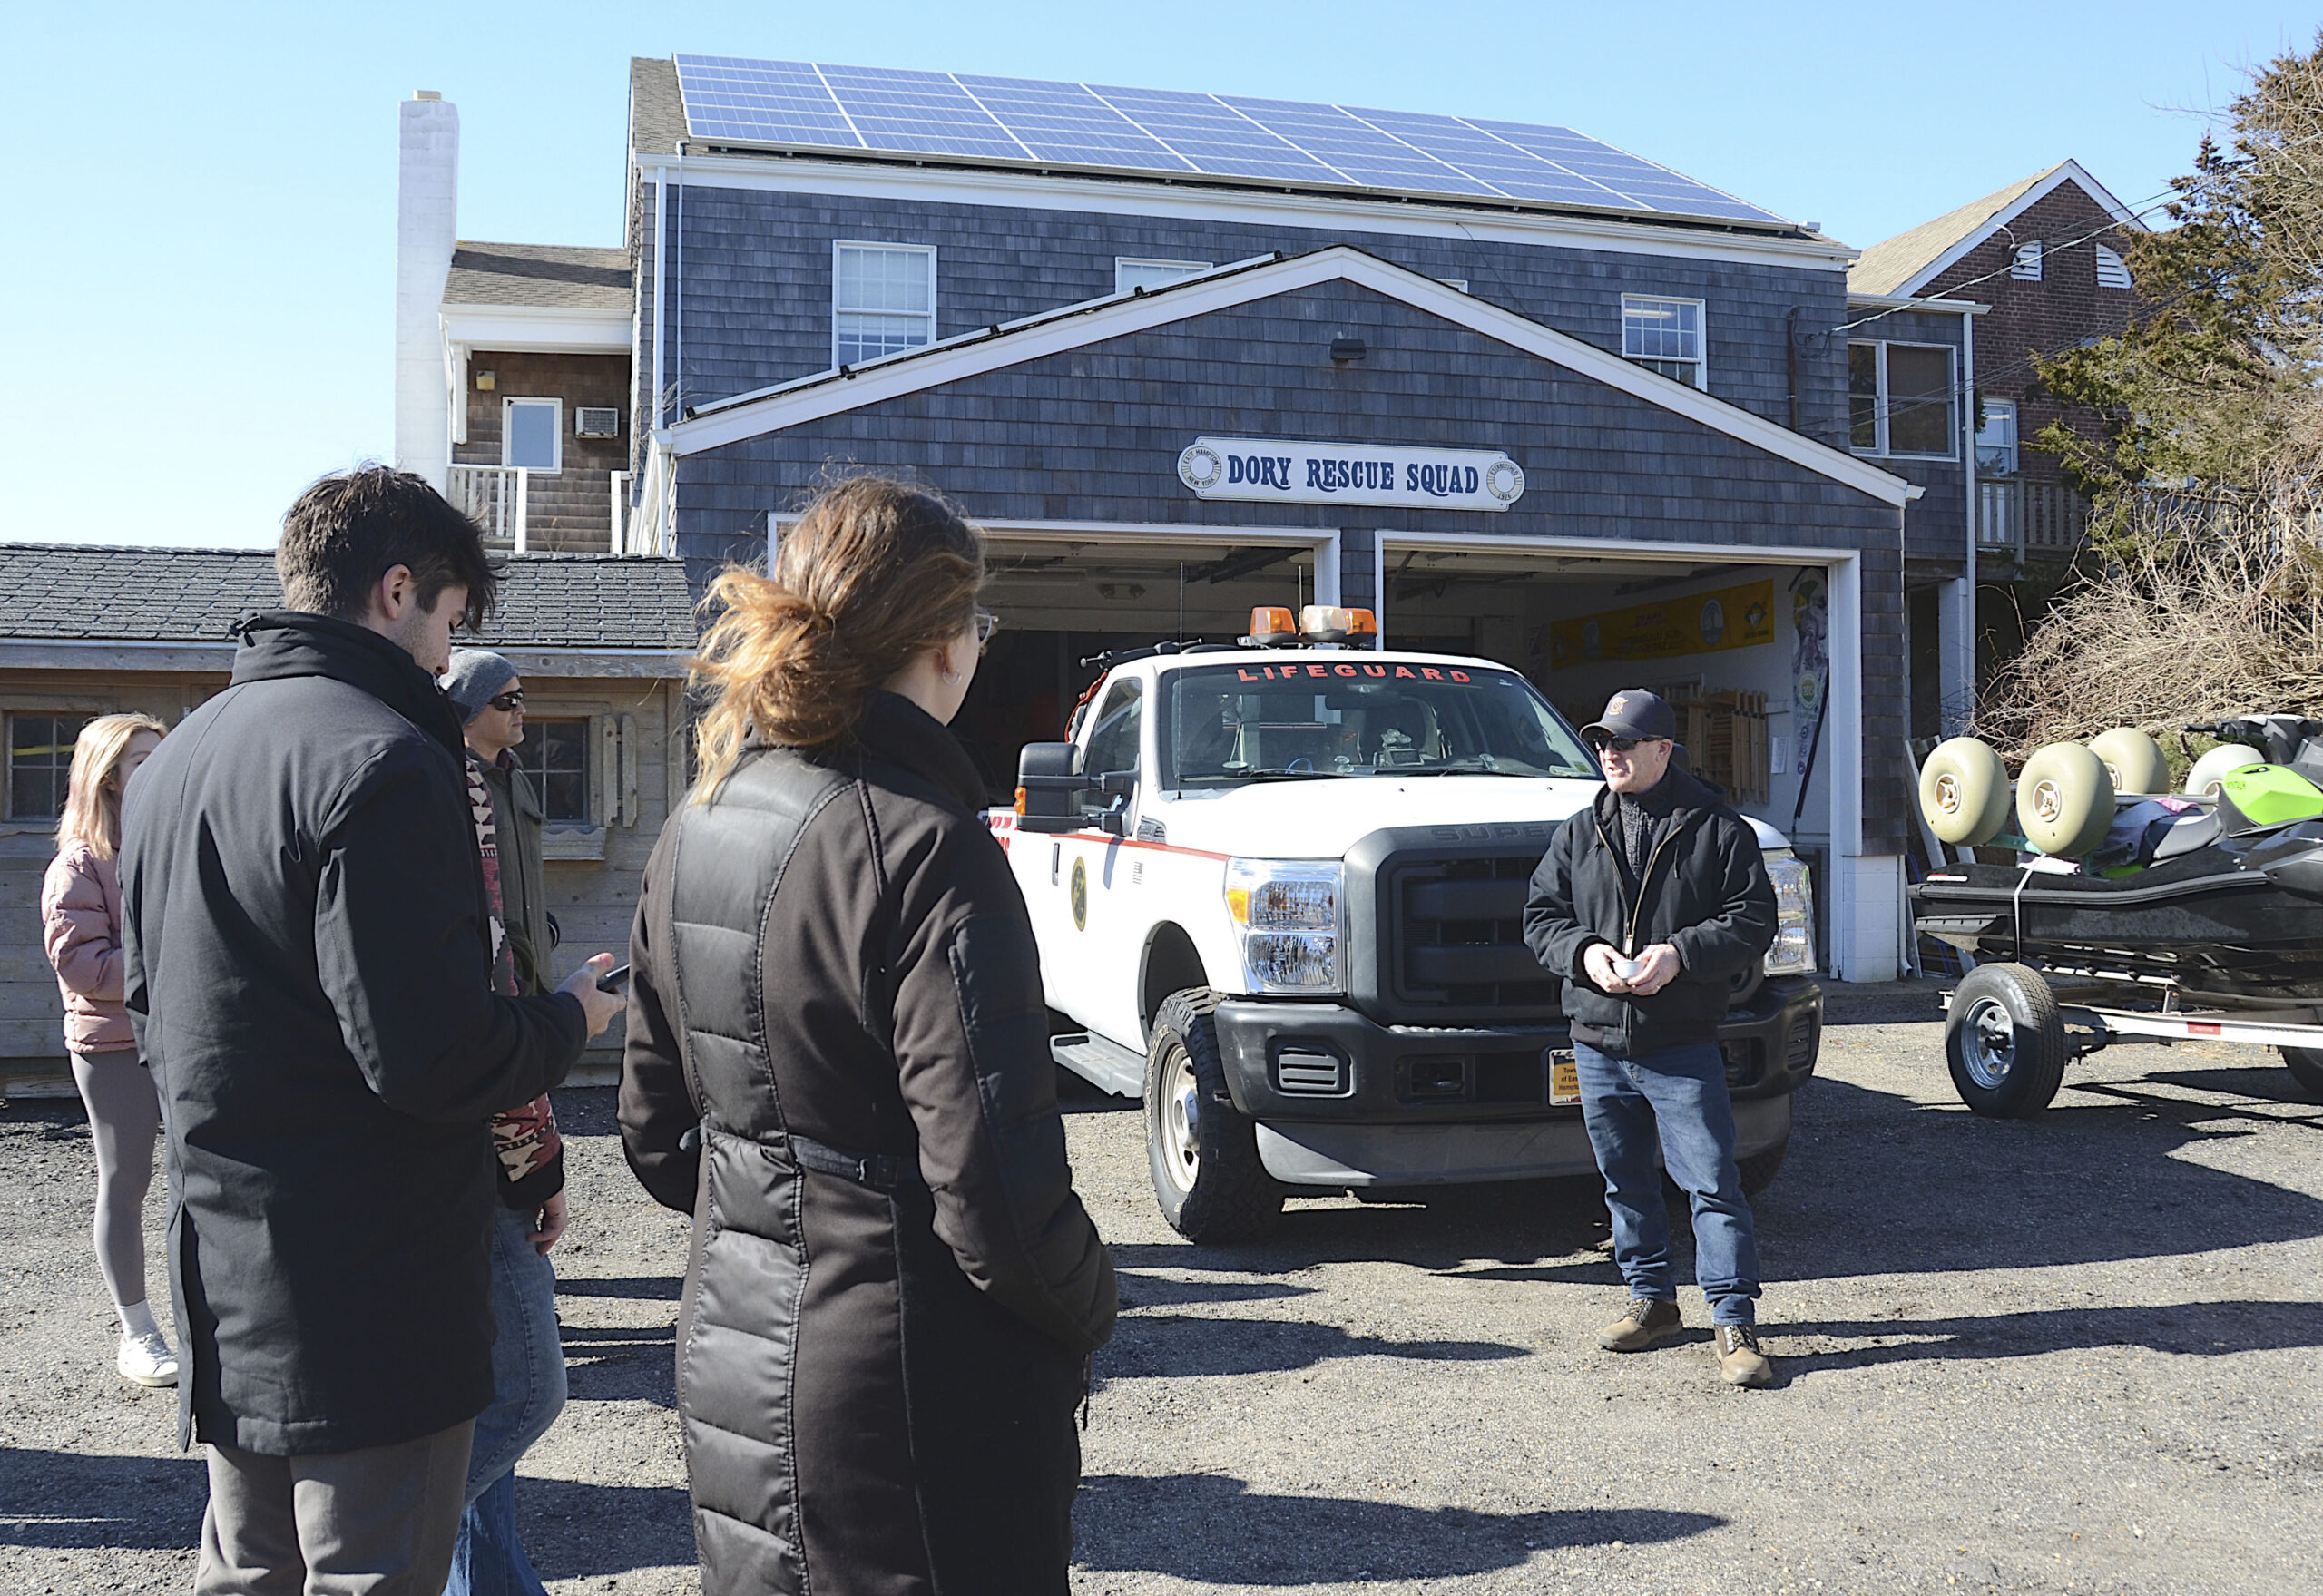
[1343, 1101]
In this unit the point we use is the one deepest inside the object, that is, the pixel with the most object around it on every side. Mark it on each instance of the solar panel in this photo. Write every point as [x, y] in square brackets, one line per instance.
[803, 106]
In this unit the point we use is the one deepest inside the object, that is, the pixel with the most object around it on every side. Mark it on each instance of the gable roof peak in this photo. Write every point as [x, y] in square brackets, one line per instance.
[1903, 265]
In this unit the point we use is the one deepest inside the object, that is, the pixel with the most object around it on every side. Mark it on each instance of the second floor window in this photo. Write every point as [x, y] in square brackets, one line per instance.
[883, 301]
[1664, 336]
[532, 434]
[1899, 399]
[554, 756]
[1152, 274]
[40, 763]
[1996, 438]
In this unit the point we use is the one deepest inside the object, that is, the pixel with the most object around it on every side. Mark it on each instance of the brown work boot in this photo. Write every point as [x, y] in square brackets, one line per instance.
[1647, 1324]
[1740, 1361]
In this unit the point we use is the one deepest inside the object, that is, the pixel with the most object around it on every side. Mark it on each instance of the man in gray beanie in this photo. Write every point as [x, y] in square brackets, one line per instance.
[527, 1358]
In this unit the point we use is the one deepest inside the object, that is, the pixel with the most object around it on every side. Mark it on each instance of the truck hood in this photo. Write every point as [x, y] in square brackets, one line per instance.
[1321, 820]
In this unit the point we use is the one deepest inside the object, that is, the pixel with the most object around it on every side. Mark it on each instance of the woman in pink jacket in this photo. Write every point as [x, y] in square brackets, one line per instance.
[80, 907]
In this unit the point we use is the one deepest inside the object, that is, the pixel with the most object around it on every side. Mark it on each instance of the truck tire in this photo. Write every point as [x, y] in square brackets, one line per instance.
[1201, 1150]
[2006, 1041]
[2306, 1066]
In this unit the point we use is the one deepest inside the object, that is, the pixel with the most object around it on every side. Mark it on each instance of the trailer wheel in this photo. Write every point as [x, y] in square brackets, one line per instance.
[2004, 1041]
[1201, 1150]
[2306, 1068]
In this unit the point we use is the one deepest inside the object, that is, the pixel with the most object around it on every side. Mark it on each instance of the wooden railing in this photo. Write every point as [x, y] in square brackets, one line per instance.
[493, 496]
[2035, 520]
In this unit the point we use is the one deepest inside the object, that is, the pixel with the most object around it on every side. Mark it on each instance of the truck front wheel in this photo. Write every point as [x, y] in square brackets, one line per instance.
[1202, 1151]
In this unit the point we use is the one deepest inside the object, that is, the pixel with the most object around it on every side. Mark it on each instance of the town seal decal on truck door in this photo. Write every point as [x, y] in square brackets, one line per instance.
[1081, 895]
[1279, 471]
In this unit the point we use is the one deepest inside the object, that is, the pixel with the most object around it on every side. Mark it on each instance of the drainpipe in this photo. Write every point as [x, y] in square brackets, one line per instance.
[1965, 686]
[1791, 353]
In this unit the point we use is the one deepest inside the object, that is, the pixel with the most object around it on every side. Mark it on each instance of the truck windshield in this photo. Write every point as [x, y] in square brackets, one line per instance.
[1254, 722]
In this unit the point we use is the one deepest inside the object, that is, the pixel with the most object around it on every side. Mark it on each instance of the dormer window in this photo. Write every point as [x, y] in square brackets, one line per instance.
[2026, 265]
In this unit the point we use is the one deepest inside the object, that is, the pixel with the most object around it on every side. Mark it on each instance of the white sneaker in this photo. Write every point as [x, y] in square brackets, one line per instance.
[147, 1360]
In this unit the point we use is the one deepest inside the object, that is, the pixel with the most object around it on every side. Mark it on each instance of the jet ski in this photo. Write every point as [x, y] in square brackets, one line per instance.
[2216, 896]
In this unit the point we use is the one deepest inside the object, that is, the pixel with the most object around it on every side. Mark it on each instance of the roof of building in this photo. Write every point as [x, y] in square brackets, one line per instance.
[819, 110]
[1904, 264]
[89, 592]
[574, 277]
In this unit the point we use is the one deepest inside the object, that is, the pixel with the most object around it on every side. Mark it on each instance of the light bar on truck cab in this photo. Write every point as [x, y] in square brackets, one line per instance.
[1271, 628]
[1328, 624]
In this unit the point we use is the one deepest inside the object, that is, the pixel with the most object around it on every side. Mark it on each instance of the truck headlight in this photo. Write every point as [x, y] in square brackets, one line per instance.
[1793, 953]
[1289, 914]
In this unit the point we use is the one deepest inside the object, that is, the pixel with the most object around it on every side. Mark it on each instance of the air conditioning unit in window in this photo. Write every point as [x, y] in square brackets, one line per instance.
[589, 422]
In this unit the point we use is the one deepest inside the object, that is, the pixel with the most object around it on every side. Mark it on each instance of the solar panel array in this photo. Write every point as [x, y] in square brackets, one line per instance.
[801, 104]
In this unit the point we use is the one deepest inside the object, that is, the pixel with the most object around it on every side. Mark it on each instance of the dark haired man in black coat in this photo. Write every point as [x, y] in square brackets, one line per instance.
[1649, 903]
[307, 964]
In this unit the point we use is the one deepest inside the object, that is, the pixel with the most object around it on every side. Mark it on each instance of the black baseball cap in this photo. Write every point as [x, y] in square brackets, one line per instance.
[1635, 713]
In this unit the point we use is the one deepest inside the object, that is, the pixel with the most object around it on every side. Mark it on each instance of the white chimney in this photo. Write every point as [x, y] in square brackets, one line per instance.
[426, 223]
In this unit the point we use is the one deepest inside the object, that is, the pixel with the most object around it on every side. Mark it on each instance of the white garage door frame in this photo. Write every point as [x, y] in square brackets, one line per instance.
[1866, 890]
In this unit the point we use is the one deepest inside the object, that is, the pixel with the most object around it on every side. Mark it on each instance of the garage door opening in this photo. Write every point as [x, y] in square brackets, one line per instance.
[1741, 650]
[1063, 599]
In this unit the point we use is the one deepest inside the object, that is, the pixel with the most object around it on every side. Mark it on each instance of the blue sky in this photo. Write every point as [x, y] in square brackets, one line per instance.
[203, 243]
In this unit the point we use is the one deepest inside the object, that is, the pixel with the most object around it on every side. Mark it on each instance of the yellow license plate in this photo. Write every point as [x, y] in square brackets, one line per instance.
[1564, 1080]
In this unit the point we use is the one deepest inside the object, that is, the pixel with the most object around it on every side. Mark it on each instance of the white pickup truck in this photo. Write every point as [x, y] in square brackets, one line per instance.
[1277, 893]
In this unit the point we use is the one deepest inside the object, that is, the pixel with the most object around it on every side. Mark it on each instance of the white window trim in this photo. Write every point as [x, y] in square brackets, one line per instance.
[2106, 256]
[2016, 439]
[2028, 260]
[555, 433]
[1186, 268]
[1701, 308]
[1880, 400]
[934, 280]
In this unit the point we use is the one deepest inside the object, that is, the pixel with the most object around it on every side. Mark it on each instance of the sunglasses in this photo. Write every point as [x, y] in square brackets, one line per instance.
[986, 624]
[1621, 745]
[505, 702]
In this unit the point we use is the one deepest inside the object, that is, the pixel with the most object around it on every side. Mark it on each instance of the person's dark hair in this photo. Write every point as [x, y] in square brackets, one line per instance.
[873, 573]
[352, 527]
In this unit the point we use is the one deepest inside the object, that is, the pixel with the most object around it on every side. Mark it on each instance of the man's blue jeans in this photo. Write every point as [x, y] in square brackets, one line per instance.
[527, 1394]
[1675, 1097]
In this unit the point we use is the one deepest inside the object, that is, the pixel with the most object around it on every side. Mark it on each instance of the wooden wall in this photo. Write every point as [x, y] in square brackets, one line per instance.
[592, 872]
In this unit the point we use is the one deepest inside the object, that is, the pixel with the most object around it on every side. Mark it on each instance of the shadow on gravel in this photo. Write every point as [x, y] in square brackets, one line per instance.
[611, 1363]
[1176, 1345]
[1138, 1524]
[1154, 1291]
[2200, 1329]
[574, 1530]
[63, 1500]
[632, 1288]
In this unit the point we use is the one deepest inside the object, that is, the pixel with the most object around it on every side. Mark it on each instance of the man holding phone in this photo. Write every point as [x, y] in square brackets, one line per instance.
[1648, 903]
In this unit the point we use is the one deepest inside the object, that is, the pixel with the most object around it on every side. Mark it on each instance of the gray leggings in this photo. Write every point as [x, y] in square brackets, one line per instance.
[124, 1113]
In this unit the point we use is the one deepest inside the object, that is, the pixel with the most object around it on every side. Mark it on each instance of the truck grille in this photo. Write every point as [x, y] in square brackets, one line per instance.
[1454, 938]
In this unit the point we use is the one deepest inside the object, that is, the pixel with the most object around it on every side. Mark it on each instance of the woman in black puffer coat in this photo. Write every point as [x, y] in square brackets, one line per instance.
[837, 1063]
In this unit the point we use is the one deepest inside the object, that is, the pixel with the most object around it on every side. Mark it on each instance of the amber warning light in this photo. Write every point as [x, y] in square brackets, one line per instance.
[1271, 628]
[1328, 624]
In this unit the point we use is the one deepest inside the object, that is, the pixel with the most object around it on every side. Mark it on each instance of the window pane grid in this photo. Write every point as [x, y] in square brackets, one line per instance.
[883, 301]
[555, 756]
[40, 763]
[1900, 399]
[1664, 336]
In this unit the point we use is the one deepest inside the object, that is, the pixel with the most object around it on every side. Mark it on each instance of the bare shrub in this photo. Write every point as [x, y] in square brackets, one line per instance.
[2212, 608]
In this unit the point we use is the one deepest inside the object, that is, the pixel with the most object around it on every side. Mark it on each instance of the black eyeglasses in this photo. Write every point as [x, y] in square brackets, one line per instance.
[1621, 745]
[986, 624]
[508, 700]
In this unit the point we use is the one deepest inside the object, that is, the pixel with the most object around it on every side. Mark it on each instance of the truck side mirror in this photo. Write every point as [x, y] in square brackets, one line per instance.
[1049, 788]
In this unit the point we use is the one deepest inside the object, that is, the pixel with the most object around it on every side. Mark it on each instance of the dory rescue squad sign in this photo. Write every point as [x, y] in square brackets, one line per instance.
[1280, 472]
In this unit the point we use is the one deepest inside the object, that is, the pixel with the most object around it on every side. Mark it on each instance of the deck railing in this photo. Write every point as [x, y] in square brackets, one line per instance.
[2036, 520]
[493, 496]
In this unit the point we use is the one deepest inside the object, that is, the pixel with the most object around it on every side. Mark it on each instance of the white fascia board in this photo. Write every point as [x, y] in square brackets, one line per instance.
[1905, 302]
[829, 394]
[548, 330]
[2068, 172]
[1321, 213]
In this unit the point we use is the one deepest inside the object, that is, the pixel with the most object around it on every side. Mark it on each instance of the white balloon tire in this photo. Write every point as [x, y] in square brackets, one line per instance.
[1963, 792]
[2064, 800]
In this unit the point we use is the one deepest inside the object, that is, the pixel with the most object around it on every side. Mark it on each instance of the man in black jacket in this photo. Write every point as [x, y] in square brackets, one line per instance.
[1649, 903]
[307, 961]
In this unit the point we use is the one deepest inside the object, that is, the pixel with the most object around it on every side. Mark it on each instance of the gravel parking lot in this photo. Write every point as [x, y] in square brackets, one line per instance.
[2078, 1354]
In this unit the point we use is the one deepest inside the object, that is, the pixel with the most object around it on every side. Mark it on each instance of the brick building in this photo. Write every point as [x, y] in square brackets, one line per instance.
[2039, 267]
